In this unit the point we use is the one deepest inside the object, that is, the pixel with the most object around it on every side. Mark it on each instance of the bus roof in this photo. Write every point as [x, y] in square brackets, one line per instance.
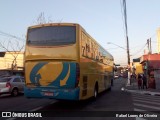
[52, 24]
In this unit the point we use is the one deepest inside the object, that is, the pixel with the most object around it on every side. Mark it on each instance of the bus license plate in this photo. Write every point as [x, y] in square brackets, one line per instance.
[48, 94]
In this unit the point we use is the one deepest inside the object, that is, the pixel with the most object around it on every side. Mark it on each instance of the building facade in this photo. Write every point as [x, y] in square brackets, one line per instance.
[158, 40]
[11, 60]
[151, 68]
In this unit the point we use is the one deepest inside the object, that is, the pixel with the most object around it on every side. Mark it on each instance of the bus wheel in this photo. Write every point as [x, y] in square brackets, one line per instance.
[109, 89]
[96, 91]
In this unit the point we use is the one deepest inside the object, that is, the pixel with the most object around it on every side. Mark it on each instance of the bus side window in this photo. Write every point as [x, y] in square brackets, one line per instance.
[97, 57]
[83, 49]
[87, 48]
[92, 55]
[92, 50]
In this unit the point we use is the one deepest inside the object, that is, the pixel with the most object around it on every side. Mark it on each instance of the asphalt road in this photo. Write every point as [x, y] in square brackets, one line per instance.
[105, 107]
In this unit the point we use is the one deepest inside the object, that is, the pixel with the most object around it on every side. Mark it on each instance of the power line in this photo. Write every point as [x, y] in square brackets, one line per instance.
[131, 48]
[139, 50]
[153, 35]
[154, 41]
[112, 48]
[12, 36]
[16, 39]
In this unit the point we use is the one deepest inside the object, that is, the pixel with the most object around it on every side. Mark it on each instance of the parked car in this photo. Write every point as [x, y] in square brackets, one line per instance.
[12, 85]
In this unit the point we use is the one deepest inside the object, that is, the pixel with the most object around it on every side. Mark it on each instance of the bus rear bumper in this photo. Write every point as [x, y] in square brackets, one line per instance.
[64, 94]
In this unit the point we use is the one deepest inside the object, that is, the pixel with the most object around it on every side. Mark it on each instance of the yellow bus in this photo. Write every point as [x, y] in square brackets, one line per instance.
[62, 61]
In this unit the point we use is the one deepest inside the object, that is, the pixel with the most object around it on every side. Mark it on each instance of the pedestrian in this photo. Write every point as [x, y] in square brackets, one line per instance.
[144, 81]
[139, 81]
[132, 78]
[135, 76]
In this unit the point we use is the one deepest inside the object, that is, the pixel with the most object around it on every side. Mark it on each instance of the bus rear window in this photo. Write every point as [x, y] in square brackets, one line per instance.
[52, 36]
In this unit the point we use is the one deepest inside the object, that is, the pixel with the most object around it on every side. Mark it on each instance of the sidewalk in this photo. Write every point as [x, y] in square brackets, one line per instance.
[134, 89]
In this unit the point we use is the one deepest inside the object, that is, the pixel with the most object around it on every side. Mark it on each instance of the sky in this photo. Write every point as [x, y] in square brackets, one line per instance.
[102, 19]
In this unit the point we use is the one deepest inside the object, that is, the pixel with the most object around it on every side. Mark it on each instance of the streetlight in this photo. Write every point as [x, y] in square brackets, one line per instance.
[116, 45]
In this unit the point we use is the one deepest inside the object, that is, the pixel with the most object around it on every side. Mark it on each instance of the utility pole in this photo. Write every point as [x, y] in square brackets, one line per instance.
[150, 46]
[128, 55]
[127, 41]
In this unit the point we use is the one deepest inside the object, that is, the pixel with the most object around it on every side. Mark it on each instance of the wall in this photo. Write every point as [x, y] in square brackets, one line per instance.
[7, 60]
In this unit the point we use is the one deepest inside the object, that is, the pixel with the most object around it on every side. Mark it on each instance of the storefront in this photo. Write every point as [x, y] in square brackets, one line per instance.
[151, 68]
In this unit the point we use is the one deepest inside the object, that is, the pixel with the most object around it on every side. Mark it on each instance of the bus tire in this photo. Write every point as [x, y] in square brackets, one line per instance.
[96, 91]
[109, 89]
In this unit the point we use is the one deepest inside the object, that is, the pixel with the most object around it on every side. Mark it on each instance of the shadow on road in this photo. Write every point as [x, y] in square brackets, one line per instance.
[4, 96]
[72, 105]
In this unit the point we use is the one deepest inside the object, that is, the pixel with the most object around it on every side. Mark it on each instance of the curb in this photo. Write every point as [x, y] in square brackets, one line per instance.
[143, 92]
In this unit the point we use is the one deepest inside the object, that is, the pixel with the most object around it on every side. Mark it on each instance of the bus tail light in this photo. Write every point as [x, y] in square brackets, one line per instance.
[77, 74]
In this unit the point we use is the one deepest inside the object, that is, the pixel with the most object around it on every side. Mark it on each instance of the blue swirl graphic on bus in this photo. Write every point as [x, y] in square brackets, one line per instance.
[34, 77]
[64, 72]
[65, 78]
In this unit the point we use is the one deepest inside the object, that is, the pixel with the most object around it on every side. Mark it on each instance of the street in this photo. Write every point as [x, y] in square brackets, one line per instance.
[106, 106]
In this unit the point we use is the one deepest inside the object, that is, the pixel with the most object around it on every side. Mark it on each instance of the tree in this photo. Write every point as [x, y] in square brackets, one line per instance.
[13, 47]
[42, 19]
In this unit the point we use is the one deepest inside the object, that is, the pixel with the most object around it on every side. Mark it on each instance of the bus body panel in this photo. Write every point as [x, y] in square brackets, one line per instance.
[60, 94]
[68, 52]
[93, 70]
[46, 67]
[51, 79]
